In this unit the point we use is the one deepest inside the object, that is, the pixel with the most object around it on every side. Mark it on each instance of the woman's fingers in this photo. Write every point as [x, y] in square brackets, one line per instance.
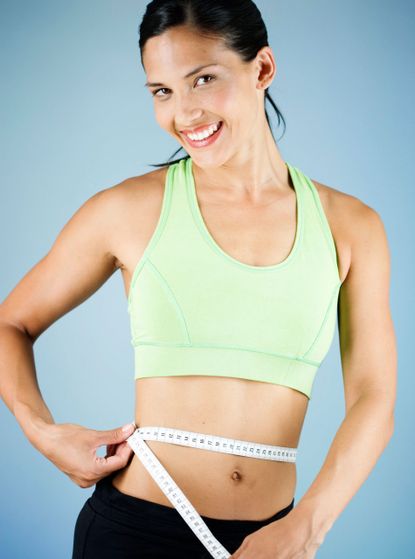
[116, 460]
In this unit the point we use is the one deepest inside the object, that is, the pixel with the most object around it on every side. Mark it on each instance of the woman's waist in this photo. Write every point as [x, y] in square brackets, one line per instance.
[232, 446]
[220, 445]
[218, 485]
[241, 477]
[260, 427]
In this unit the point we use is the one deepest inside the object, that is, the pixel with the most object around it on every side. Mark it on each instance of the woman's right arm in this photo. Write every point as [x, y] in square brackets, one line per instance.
[78, 263]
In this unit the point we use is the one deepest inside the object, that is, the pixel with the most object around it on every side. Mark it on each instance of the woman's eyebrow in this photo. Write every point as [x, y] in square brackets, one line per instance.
[188, 75]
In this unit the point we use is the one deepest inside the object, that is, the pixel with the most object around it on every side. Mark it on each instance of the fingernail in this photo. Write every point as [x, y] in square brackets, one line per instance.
[127, 428]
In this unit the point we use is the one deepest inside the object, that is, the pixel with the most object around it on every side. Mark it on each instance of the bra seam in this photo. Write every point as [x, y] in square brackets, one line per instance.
[156, 235]
[324, 224]
[326, 314]
[229, 347]
[170, 294]
[213, 245]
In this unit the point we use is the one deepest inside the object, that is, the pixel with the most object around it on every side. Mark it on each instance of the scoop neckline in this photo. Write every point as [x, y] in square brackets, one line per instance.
[191, 188]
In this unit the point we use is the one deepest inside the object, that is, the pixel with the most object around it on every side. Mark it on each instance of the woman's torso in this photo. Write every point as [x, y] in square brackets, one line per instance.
[220, 485]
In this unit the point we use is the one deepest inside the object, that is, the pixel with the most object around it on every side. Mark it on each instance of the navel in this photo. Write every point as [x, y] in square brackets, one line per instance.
[236, 475]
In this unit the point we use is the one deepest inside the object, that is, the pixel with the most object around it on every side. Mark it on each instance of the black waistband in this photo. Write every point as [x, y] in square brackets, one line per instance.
[112, 503]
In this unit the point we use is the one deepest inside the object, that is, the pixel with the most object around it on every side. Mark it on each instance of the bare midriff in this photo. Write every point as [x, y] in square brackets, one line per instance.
[218, 485]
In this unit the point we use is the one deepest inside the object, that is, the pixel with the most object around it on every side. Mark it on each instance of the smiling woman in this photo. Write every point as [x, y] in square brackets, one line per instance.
[236, 267]
[220, 25]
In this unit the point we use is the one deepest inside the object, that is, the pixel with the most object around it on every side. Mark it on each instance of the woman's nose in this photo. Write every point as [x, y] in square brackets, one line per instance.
[187, 111]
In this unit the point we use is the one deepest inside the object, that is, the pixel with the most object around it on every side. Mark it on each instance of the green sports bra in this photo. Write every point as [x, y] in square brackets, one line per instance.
[196, 310]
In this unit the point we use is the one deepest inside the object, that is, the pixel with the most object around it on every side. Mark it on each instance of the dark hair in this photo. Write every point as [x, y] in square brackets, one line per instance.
[237, 22]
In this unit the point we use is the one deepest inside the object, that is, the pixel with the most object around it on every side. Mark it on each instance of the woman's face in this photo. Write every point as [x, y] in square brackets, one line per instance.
[224, 92]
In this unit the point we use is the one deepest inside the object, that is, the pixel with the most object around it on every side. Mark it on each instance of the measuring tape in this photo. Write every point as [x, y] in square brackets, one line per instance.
[206, 442]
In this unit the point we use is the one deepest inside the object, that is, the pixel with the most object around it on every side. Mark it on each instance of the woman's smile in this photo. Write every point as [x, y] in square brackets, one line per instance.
[205, 138]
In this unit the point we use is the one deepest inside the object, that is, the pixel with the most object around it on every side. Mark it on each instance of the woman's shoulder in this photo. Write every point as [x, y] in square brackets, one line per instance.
[138, 186]
[133, 198]
[353, 222]
[346, 209]
[130, 209]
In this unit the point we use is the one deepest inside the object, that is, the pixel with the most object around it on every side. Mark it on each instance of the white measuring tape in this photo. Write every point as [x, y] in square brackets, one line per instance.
[206, 442]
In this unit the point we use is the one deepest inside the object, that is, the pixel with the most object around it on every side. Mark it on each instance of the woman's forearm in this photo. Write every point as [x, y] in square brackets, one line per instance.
[19, 388]
[358, 444]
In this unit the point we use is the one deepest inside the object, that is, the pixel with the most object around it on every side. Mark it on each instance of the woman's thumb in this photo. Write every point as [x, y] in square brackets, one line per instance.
[118, 435]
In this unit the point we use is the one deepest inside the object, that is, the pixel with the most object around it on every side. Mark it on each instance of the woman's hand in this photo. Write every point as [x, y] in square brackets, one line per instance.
[72, 448]
[289, 537]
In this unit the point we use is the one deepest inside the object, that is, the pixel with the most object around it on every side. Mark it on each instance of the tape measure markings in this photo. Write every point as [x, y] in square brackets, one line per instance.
[204, 442]
[176, 496]
[218, 444]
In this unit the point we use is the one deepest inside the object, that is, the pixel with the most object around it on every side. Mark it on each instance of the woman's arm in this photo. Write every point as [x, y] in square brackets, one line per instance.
[79, 262]
[369, 363]
[18, 382]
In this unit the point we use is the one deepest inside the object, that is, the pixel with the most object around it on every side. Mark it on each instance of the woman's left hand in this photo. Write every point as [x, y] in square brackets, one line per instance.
[289, 537]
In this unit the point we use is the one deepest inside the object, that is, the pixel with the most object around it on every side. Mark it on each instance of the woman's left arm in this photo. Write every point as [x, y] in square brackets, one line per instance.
[369, 364]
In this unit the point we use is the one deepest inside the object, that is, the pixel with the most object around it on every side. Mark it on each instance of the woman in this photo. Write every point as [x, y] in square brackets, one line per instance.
[235, 264]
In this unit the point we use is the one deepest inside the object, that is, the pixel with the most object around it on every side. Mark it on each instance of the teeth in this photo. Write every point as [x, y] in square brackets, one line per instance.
[205, 134]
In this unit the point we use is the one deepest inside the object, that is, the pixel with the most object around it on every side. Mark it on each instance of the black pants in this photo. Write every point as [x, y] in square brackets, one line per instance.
[113, 525]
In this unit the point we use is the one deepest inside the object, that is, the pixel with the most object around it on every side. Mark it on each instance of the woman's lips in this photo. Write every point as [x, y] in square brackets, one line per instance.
[207, 141]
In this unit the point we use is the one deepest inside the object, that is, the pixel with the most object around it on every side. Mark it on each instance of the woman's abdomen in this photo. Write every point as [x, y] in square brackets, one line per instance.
[218, 485]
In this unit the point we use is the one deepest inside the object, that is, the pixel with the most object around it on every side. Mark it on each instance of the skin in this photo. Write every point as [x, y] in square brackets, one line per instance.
[257, 190]
[241, 181]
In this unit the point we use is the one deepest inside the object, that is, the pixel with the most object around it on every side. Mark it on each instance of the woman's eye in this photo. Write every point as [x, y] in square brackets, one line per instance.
[154, 93]
[157, 90]
[206, 76]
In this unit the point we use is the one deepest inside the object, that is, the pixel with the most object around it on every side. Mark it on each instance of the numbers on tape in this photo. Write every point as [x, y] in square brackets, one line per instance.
[217, 444]
[176, 496]
[202, 441]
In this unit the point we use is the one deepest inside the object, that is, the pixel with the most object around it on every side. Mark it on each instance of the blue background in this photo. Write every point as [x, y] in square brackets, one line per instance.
[76, 119]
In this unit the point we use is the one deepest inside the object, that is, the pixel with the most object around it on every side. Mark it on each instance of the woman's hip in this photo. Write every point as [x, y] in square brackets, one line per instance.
[117, 525]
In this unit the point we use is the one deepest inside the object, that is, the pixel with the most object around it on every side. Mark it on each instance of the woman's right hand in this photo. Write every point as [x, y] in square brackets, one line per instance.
[72, 448]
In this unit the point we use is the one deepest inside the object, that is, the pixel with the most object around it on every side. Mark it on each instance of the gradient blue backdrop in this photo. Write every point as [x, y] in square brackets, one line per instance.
[76, 118]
